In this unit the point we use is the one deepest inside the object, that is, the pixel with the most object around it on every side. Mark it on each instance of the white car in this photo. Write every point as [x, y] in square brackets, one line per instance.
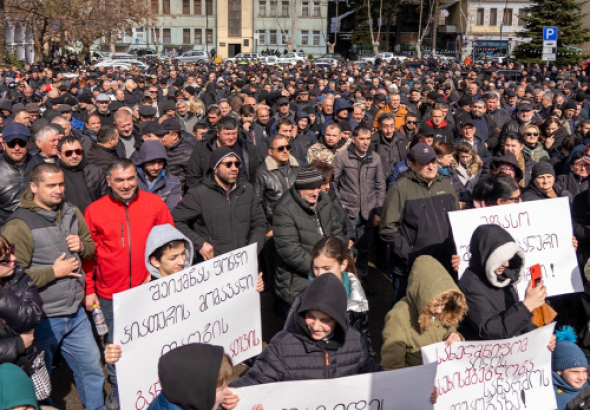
[242, 58]
[292, 58]
[113, 64]
[385, 55]
[141, 65]
[270, 60]
[326, 62]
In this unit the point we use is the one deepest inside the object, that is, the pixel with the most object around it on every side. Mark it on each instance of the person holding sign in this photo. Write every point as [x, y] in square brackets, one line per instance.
[317, 344]
[496, 266]
[570, 372]
[430, 313]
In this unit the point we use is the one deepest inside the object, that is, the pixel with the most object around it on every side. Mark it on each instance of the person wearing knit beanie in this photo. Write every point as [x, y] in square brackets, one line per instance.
[308, 183]
[16, 388]
[570, 371]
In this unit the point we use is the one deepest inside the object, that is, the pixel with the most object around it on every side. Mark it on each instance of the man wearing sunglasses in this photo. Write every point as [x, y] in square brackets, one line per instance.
[221, 214]
[85, 181]
[15, 168]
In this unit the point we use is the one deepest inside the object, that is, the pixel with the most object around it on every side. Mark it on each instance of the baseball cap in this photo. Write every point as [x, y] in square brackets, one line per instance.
[152, 127]
[171, 124]
[465, 122]
[422, 153]
[14, 131]
[525, 107]
[282, 100]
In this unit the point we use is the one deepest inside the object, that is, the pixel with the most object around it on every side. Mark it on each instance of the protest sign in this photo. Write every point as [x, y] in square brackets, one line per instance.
[402, 389]
[494, 374]
[543, 229]
[214, 302]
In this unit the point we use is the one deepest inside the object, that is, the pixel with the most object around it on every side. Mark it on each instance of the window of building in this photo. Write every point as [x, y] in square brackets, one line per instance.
[186, 6]
[273, 8]
[305, 8]
[522, 13]
[262, 8]
[280, 40]
[262, 38]
[316, 9]
[285, 8]
[235, 18]
[156, 6]
[167, 37]
[165, 6]
[157, 35]
[507, 17]
[198, 36]
[209, 7]
[493, 17]
[316, 38]
[480, 14]
[198, 7]
[304, 38]
[273, 37]
[186, 36]
[209, 36]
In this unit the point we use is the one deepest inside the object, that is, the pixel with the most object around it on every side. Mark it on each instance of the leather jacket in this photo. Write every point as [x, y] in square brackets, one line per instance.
[271, 184]
[15, 179]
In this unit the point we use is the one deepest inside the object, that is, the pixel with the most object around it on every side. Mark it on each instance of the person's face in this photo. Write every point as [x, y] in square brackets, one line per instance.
[362, 142]
[153, 168]
[387, 127]
[102, 106]
[310, 196]
[280, 150]
[324, 264]
[332, 137]
[319, 324]
[262, 116]
[502, 268]
[581, 167]
[514, 198]
[394, 102]
[478, 109]
[465, 158]
[437, 118]
[512, 146]
[171, 261]
[303, 96]
[123, 182]
[49, 147]
[125, 127]
[428, 171]
[551, 129]
[538, 98]
[569, 113]
[520, 92]
[227, 138]
[544, 182]
[284, 109]
[182, 108]
[71, 154]
[445, 160]
[531, 136]
[228, 170]
[16, 150]
[285, 130]
[358, 114]
[225, 108]
[302, 123]
[213, 118]
[575, 377]
[525, 115]
[328, 106]
[199, 134]
[472, 89]
[50, 192]
[512, 100]
[7, 268]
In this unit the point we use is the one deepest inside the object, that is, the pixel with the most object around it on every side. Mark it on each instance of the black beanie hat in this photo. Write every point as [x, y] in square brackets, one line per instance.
[465, 100]
[309, 178]
[218, 155]
[188, 375]
[542, 168]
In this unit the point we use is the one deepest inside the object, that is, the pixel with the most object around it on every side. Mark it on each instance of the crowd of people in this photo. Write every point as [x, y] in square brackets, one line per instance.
[112, 178]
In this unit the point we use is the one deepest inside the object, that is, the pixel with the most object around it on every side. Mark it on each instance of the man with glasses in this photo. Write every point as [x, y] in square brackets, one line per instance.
[102, 109]
[84, 181]
[16, 165]
[221, 214]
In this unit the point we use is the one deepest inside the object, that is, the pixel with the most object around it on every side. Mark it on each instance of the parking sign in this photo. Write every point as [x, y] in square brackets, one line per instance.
[549, 33]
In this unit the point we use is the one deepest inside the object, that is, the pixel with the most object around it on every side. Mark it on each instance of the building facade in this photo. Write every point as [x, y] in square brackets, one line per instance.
[235, 33]
[19, 40]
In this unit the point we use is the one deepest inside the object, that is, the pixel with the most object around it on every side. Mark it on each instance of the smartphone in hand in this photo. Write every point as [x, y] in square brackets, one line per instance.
[535, 275]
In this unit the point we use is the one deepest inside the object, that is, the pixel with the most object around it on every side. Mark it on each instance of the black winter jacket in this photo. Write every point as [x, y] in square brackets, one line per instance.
[532, 193]
[271, 184]
[20, 308]
[198, 163]
[493, 134]
[15, 179]
[178, 158]
[494, 309]
[102, 156]
[94, 177]
[294, 355]
[581, 218]
[227, 222]
[573, 183]
[295, 234]
[391, 151]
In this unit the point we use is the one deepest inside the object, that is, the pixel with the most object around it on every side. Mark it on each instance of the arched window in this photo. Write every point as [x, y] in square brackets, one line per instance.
[235, 18]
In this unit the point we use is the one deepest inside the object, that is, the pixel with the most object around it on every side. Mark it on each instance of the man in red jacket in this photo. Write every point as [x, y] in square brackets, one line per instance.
[120, 224]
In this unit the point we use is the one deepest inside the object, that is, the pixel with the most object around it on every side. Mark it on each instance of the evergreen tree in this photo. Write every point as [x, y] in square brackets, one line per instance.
[567, 16]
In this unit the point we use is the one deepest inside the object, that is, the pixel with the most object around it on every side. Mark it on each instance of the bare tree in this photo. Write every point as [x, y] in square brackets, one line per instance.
[435, 21]
[290, 39]
[374, 40]
[421, 36]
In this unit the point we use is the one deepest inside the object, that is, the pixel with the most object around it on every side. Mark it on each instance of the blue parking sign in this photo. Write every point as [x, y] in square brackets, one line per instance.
[549, 33]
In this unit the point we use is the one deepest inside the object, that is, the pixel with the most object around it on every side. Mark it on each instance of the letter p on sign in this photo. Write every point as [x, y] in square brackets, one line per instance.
[549, 33]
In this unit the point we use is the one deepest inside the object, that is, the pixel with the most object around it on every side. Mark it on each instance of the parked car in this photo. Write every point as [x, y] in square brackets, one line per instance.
[336, 56]
[193, 56]
[242, 58]
[360, 64]
[326, 62]
[384, 55]
[270, 60]
[113, 64]
[122, 56]
[141, 65]
[292, 58]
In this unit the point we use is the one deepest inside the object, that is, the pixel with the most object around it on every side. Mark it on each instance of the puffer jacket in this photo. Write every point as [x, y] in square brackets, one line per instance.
[573, 183]
[15, 179]
[94, 177]
[226, 221]
[414, 220]
[537, 153]
[348, 230]
[20, 309]
[296, 233]
[532, 193]
[293, 354]
[178, 157]
[409, 327]
[271, 184]
[391, 150]
[494, 309]
[359, 183]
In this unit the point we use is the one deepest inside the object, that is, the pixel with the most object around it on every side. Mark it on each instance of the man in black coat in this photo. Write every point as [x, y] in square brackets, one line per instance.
[178, 149]
[221, 214]
[227, 136]
[389, 144]
[85, 181]
[106, 149]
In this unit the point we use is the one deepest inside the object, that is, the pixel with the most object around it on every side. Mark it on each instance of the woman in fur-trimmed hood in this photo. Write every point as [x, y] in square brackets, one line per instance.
[496, 267]
[430, 313]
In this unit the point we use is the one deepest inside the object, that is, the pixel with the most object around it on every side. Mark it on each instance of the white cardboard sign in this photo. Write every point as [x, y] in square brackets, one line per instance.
[213, 302]
[494, 374]
[543, 229]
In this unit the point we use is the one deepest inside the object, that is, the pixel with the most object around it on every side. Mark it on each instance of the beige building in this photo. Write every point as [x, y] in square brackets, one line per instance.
[235, 33]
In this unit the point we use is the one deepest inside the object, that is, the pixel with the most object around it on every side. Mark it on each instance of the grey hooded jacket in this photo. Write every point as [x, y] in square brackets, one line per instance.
[159, 236]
